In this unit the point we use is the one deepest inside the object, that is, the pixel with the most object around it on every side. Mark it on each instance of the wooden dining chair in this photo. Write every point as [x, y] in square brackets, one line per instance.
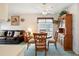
[28, 39]
[40, 42]
[54, 40]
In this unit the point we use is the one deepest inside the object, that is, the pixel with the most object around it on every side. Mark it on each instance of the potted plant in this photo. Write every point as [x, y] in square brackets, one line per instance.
[63, 12]
[56, 21]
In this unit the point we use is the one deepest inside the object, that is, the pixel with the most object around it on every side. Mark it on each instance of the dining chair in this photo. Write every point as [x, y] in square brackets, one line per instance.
[29, 39]
[40, 42]
[54, 40]
[26, 37]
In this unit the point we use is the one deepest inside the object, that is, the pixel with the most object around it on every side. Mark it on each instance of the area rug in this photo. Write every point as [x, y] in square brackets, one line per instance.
[52, 51]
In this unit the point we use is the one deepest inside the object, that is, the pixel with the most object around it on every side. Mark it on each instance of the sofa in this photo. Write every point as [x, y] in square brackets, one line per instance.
[11, 36]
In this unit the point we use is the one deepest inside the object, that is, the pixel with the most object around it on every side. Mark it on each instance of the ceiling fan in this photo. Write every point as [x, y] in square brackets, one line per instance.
[46, 8]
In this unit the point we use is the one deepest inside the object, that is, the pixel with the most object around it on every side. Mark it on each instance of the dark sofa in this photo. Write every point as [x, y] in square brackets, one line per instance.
[11, 36]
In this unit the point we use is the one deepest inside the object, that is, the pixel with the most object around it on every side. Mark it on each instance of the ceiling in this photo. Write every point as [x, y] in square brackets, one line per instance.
[24, 8]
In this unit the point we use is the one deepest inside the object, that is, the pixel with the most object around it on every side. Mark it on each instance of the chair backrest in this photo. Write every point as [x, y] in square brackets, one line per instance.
[26, 36]
[40, 38]
[56, 36]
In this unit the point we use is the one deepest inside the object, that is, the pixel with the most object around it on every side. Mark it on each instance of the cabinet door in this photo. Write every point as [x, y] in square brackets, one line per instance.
[68, 35]
[68, 24]
[68, 42]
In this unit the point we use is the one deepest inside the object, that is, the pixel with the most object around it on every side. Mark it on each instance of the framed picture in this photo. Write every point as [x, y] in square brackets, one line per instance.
[15, 20]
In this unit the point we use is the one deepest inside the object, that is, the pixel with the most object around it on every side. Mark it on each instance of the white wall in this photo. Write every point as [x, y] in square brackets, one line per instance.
[75, 12]
[30, 21]
[3, 12]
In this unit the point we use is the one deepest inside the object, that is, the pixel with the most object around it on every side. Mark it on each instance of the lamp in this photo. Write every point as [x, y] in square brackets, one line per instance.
[30, 31]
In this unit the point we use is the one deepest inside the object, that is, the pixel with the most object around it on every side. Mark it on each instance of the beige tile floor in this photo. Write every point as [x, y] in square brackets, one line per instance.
[11, 50]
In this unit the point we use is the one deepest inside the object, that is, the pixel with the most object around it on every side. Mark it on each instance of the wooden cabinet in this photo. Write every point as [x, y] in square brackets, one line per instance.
[67, 31]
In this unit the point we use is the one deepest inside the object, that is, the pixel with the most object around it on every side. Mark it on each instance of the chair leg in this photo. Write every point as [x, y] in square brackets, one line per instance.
[45, 52]
[27, 46]
[35, 52]
[48, 45]
[55, 45]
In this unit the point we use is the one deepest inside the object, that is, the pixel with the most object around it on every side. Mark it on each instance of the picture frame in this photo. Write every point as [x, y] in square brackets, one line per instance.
[15, 20]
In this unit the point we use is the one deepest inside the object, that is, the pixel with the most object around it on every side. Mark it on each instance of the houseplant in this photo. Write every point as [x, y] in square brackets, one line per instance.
[63, 12]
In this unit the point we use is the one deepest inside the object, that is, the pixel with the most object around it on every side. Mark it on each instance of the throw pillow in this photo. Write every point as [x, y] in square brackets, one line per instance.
[16, 34]
[1, 33]
[9, 33]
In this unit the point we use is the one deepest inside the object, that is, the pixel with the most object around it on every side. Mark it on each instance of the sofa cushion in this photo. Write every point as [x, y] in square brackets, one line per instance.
[9, 33]
[16, 34]
[2, 38]
[1, 33]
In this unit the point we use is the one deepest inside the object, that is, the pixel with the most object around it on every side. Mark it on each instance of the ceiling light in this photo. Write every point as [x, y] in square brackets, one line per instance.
[44, 13]
[44, 8]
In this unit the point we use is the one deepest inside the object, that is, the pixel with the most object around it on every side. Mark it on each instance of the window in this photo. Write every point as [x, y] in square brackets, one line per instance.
[45, 25]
